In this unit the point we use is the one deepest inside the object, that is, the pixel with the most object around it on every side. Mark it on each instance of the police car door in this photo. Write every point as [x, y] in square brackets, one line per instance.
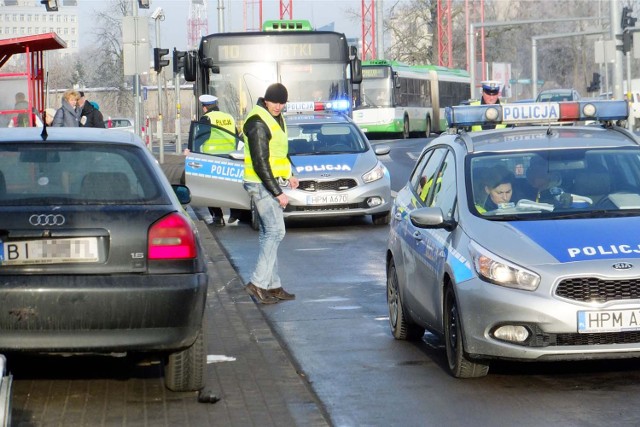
[431, 244]
[214, 179]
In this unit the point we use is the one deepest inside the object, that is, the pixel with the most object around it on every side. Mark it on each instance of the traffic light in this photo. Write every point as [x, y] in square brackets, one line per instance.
[627, 19]
[627, 41]
[158, 61]
[51, 5]
[595, 83]
[178, 60]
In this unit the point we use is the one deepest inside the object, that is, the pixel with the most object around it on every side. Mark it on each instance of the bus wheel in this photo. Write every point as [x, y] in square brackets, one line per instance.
[405, 128]
[428, 129]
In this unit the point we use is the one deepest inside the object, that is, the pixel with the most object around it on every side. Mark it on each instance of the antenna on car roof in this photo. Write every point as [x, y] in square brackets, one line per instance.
[44, 133]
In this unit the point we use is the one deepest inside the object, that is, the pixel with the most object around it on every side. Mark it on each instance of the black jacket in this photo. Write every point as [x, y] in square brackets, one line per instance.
[258, 137]
[93, 115]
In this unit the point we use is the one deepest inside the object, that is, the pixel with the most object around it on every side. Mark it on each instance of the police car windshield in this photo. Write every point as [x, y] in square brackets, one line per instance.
[555, 184]
[330, 138]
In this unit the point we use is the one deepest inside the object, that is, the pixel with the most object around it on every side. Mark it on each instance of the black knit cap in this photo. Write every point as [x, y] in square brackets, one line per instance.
[276, 93]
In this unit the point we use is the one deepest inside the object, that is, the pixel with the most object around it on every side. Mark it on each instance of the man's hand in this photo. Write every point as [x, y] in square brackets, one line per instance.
[283, 200]
[293, 182]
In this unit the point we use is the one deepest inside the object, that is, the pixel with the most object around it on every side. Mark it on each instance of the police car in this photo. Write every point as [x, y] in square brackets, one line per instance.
[520, 243]
[339, 171]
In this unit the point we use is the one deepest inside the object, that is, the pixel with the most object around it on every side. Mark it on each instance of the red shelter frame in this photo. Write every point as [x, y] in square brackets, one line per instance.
[33, 47]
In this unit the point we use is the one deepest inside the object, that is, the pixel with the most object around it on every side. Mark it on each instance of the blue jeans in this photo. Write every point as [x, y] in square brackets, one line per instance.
[271, 233]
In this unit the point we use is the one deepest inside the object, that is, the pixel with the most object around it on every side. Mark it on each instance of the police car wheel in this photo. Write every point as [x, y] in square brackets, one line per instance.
[402, 327]
[459, 365]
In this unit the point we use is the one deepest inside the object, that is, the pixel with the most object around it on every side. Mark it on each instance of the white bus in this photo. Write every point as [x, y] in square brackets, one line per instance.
[399, 99]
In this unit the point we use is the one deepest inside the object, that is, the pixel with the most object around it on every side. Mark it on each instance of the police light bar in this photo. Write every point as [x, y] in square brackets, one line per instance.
[537, 113]
[337, 105]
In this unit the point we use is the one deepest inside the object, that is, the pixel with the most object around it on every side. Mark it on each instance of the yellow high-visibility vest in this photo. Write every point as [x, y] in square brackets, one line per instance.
[220, 141]
[278, 148]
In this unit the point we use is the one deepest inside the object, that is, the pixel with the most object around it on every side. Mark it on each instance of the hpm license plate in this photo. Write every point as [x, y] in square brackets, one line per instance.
[608, 321]
[327, 199]
[49, 251]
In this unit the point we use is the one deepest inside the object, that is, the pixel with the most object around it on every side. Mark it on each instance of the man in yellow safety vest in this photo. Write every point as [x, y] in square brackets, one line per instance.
[267, 169]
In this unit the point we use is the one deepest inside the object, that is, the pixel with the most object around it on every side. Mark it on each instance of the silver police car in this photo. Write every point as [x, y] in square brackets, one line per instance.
[519, 243]
[339, 171]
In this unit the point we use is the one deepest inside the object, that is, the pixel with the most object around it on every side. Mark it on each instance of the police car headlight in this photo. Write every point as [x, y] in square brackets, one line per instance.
[374, 174]
[496, 270]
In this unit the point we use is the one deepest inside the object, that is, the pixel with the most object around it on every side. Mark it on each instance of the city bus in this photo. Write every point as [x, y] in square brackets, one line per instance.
[318, 68]
[400, 99]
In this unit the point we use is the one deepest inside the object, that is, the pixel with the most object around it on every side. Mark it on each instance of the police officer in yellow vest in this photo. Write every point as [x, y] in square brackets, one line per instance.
[219, 141]
[267, 169]
[490, 95]
[222, 139]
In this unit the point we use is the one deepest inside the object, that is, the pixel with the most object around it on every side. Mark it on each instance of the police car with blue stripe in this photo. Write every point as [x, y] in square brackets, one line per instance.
[521, 243]
[339, 171]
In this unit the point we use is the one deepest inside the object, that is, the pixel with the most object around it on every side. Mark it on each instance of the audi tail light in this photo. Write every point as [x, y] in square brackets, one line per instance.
[172, 237]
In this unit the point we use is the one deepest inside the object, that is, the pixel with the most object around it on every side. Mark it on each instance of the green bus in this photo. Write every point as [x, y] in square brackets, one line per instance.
[397, 99]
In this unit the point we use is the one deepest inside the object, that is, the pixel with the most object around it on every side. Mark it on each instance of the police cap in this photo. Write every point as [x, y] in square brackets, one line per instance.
[491, 87]
[208, 99]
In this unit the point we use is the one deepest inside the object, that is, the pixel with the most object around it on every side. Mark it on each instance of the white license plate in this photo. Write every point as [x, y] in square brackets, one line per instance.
[608, 321]
[49, 251]
[327, 199]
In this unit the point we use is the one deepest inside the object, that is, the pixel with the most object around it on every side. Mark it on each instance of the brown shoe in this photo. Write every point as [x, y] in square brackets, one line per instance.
[280, 293]
[261, 295]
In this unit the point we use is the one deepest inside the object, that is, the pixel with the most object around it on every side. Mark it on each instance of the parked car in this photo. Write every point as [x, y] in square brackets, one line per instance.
[518, 243]
[97, 254]
[338, 169]
[120, 123]
[558, 95]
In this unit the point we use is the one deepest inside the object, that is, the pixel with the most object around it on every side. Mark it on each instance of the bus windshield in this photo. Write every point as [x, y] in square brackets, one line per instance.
[313, 65]
[375, 92]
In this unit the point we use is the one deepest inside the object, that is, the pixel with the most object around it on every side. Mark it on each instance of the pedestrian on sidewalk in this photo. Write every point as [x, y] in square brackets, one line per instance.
[266, 169]
[69, 114]
[91, 115]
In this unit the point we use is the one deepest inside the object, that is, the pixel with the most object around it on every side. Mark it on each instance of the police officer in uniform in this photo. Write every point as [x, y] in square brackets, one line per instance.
[490, 95]
[267, 169]
[219, 142]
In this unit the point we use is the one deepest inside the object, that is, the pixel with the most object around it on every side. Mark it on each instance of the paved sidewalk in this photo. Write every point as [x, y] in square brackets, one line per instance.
[262, 386]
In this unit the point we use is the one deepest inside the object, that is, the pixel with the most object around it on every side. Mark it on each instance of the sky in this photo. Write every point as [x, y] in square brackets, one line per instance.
[173, 30]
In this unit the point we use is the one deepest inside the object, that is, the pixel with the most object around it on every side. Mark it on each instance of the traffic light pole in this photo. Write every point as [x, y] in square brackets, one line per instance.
[159, 16]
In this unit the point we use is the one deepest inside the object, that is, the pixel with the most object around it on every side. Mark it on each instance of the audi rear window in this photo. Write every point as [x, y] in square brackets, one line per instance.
[92, 173]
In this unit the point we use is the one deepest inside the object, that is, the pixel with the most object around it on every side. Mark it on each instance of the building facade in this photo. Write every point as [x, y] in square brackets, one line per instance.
[19, 18]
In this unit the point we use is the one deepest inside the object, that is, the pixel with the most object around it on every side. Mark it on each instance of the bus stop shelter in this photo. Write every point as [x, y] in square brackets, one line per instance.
[33, 75]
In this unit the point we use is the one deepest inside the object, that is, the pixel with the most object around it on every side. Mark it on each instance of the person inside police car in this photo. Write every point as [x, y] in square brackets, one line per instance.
[498, 188]
[221, 140]
[490, 96]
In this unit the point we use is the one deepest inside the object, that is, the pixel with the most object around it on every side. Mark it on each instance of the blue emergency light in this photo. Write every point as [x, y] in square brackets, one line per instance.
[336, 105]
[537, 113]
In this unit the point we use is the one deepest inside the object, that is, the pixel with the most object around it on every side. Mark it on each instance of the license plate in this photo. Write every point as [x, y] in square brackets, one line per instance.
[327, 199]
[608, 321]
[49, 251]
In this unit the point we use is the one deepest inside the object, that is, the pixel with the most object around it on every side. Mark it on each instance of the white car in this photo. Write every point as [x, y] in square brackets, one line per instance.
[120, 123]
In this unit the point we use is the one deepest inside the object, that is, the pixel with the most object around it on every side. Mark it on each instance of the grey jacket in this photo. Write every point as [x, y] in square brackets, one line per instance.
[66, 116]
